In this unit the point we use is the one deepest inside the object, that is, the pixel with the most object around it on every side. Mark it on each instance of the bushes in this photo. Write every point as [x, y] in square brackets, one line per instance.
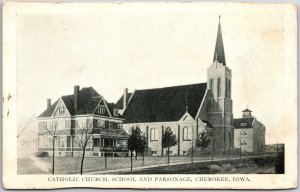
[41, 154]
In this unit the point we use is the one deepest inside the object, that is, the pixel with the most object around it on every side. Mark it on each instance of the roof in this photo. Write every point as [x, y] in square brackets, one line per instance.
[164, 104]
[48, 112]
[219, 54]
[246, 110]
[207, 123]
[243, 123]
[111, 133]
[119, 104]
[87, 102]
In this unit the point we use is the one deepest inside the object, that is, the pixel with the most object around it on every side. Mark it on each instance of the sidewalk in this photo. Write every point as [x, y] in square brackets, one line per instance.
[127, 170]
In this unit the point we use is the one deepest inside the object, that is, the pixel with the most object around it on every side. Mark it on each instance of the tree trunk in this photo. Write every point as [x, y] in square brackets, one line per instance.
[136, 154]
[131, 160]
[143, 157]
[83, 154]
[168, 156]
[53, 151]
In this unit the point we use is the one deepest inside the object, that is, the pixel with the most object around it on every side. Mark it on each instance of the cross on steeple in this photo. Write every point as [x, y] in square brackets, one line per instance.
[219, 54]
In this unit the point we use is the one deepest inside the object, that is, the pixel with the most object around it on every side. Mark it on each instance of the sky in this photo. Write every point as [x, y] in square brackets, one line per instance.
[140, 48]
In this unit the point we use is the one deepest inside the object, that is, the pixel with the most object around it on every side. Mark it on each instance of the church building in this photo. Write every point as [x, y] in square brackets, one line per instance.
[186, 109]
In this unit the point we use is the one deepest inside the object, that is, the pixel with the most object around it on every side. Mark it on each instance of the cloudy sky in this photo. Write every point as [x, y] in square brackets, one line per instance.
[115, 46]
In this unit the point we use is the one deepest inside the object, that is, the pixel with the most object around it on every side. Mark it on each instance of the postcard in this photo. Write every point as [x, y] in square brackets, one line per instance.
[149, 95]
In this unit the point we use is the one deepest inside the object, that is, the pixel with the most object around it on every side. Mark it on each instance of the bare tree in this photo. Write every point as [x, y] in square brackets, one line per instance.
[50, 132]
[82, 136]
[22, 128]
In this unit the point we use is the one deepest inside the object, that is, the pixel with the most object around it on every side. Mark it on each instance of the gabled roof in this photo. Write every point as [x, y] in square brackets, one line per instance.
[119, 104]
[87, 102]
[207, 123]
[243, 123]
[164, 104]
[48, 112]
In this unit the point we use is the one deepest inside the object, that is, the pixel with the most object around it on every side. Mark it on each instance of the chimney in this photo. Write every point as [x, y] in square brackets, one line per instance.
[76, 91]
[48, 103]
[125, 98]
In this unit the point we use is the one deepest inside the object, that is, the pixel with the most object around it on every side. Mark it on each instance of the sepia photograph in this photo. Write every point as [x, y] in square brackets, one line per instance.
[150, 95]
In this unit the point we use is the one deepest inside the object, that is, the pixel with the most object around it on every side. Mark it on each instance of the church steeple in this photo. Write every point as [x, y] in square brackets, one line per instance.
[219, 54]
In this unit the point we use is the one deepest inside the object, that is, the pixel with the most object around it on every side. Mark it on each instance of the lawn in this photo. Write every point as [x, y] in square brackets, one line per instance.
[259, 165]
[71, 165]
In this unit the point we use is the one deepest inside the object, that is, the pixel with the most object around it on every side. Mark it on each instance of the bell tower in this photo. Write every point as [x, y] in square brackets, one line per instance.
[219, 100]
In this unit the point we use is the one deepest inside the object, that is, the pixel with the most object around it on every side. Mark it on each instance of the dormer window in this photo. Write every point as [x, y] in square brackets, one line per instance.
[61, 110]
[101, 109]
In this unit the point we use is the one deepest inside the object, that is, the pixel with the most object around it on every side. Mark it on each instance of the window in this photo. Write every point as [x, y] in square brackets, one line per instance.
[243, 124]
[226, 87]
[184, 152]
[219, 87]
[61, 110]
[186, 134]
[96, 142]
[212, 85]
[100, 123]
[153, 134]
[68, 141]
[101, 109]
[110, 125]
[229, 88]
[154, 152]
[243, 142]
[51, 124]
[120, 125]
[106, 124]
[42, 125]
[116, 112]
[169, 152]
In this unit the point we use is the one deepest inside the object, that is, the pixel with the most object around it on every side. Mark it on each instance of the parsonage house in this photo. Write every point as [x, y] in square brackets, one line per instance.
[249, 133]
[73, 118]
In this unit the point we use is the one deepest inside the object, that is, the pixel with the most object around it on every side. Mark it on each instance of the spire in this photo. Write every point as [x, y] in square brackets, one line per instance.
[219, 54]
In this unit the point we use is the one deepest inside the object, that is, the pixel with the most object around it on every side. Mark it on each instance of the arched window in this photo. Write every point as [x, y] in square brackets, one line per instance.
[226, 88]
[229, 88]
[186, 134]
[211, 85]
[153, 134]
[219, 87]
